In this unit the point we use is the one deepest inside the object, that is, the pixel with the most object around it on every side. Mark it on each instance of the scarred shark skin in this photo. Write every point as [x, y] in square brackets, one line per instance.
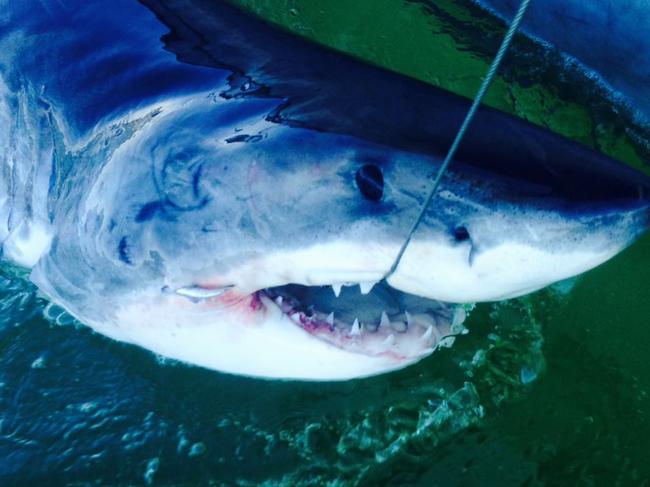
[199, 213]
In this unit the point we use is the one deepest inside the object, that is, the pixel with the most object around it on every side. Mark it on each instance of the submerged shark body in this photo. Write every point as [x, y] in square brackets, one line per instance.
[240, 218]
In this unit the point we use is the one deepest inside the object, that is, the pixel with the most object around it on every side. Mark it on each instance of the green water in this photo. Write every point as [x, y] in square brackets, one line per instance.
[584, 421]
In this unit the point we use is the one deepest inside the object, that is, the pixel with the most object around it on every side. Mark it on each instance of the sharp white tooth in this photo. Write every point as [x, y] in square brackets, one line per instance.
[409, 319]
[330, 319]
[356, 328]
[384, 319]
[389, 341]
[278, 300]
[366, 287]
[427, 334]
[337, 289]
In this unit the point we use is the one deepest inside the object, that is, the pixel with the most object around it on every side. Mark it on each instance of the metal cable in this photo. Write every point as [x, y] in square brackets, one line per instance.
[514, 25]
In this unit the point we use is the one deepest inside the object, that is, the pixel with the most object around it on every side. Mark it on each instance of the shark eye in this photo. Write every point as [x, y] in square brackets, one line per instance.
[370, 181]
[461, 234]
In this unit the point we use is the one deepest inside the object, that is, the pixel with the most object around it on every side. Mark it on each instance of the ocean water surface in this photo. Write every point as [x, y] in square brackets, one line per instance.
[548, 389]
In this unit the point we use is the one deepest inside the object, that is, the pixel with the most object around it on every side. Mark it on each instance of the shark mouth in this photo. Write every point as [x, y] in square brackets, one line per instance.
[377, 321]
[287, 315]
[291, 331]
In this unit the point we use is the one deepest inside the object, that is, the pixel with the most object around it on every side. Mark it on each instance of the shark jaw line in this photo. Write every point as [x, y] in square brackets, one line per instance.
[399, 332]
[251, 334]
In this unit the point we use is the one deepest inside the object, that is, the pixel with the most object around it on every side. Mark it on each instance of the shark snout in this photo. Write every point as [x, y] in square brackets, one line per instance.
[505, 254]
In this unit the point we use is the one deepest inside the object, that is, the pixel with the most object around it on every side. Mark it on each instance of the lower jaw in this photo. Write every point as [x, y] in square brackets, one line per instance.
[245, 340]
[400, 335]
[254, 336]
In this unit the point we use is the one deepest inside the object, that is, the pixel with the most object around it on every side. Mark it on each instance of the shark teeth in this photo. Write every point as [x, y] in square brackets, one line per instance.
[384, 321]
[366, 287]
[427, 334]
[356, 328]
[397, 332]
[337, 289]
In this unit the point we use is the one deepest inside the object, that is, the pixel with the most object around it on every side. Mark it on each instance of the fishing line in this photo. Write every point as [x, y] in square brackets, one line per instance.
[514, 25]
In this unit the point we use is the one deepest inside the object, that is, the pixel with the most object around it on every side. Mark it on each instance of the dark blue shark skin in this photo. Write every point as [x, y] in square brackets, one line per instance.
[335, 93]
[92, 60]
[166, 144]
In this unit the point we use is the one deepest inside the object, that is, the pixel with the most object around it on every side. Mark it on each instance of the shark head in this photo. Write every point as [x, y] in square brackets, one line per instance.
[218, 238]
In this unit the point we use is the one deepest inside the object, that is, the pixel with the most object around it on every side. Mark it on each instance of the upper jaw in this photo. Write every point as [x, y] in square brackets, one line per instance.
[427, 271]
[335, 263]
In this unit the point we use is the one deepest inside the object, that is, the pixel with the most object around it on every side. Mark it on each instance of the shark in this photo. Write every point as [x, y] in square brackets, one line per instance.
[185, 177]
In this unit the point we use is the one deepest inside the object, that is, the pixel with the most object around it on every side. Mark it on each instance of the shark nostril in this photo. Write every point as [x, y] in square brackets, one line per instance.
[370, 181]
[461, 234]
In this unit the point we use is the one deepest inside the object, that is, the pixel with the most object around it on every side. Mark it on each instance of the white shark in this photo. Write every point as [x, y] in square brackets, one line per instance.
[234, 219]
